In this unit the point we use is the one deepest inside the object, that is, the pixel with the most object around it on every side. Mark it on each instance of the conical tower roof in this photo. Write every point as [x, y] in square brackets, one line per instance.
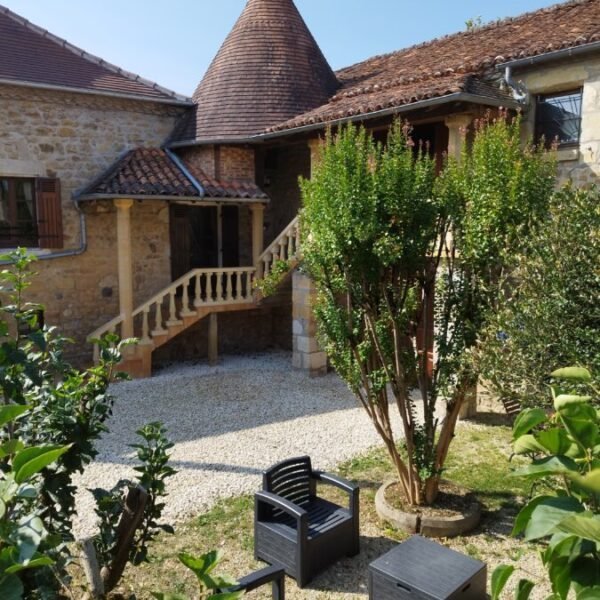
[269, 69]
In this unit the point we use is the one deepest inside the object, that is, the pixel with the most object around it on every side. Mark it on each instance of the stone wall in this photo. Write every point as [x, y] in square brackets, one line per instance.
[581, 165]
[279, 178]
[75, 137]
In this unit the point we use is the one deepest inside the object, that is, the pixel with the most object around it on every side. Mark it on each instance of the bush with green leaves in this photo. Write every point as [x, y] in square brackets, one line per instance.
[210, 585]
[67, 407]
[152, 452]
[564, 447]
[23, 530]
[381, 237]
[551, 317]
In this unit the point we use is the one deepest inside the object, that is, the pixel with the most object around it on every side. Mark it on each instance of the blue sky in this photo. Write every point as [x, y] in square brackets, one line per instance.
[172, 42]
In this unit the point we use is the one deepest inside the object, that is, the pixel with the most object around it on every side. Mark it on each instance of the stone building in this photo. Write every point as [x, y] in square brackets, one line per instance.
[155, 215]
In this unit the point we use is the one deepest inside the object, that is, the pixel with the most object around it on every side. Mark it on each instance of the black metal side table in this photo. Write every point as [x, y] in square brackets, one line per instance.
[420, 569]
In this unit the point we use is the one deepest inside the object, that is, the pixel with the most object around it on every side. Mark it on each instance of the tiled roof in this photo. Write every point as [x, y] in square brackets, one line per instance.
[269, 69]
[226, 189]
[454, 63]
[30, 54]
[152, 173]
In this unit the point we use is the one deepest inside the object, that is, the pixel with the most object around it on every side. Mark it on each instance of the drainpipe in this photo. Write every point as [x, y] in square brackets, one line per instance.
[519, 92]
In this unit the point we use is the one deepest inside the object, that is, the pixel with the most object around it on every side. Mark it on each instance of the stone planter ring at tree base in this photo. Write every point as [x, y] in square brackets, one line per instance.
[429, 526]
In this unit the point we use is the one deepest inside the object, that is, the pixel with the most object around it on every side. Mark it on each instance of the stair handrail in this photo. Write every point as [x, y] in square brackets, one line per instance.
[271, 248]
[165, 292]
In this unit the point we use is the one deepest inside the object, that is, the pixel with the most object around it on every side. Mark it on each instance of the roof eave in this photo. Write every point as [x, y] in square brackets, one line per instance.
[194, 199]
[550, 56]
[122, 96]
[449, 98]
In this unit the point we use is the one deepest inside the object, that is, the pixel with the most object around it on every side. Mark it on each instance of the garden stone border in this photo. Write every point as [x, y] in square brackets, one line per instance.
[428, 526]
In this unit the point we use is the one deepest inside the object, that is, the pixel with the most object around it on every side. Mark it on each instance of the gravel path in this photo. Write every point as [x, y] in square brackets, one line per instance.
[228, 423]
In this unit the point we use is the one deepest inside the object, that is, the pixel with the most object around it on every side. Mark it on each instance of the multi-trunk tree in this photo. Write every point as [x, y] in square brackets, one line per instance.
[394, 249]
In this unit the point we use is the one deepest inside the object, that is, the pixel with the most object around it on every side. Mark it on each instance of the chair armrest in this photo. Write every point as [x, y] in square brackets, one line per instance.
[274, 573]
[282, 504]
[331, 479]
[352, 489]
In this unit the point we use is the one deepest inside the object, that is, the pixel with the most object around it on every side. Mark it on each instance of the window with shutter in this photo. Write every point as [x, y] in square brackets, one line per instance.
[30, 213]
[49, 213]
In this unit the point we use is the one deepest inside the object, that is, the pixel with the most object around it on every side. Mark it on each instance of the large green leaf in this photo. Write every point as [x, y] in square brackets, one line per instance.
[27, 537]
[554, 440]
[578, 374]
[527, 444]
[584, 525]
[592, 593]
[34, 563]
[10, 412]
[523, 590]
[566, 400]
[525, 514]
[527, 420]
[581, 424]
[500, 576]
[547, 515]
[30, 461]
[551, 465]
[559, 572]
[590, 481]
[201, 565]
[10, 447]
[11, 588]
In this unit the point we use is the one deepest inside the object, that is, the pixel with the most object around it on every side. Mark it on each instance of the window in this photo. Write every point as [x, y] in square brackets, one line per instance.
[30, 213]
[18, 223]
[558, 118]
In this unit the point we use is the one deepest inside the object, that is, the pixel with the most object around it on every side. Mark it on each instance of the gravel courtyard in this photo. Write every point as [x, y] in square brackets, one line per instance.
[228, 423]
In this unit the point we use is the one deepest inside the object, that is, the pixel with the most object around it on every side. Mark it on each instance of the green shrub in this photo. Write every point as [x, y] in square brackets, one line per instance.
[551, 317]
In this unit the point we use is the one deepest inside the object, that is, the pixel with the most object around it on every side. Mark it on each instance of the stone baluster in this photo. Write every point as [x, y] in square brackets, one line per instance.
[145, 327]
[229, 288]
[198, 291]
[158, 319]
[210, 294]
[172, 309]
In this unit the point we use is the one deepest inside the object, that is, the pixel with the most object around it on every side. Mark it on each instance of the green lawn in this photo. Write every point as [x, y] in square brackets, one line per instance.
[479, 460]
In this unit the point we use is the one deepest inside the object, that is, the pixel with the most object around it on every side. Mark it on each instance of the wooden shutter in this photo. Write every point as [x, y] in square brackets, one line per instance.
[49, 213]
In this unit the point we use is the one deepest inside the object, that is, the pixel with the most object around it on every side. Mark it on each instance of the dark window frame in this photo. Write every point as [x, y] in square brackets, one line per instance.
[542, 125]
[13, 236]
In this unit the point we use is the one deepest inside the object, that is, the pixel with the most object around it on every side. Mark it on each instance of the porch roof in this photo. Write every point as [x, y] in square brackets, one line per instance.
[462, 64]
[156, 174]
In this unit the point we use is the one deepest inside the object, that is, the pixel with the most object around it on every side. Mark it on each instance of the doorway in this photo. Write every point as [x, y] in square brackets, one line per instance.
[203, 237]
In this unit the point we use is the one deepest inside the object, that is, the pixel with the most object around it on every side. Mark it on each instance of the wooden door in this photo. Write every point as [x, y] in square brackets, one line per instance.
[194, 238]
[230, 236]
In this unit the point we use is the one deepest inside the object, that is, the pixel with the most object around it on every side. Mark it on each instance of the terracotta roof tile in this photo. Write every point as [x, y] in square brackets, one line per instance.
[455, 62]
[151, 173]
[30, 54]
[226, 189]
[268, 69]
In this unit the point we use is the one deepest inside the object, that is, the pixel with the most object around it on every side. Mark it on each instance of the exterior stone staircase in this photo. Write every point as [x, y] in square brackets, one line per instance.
[194, 296]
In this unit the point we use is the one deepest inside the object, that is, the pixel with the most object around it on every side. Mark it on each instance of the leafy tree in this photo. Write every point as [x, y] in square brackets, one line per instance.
[67, 408]
[380, 235]
[552, 316]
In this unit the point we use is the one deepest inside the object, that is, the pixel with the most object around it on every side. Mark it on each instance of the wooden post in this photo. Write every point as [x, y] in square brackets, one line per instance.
[258, 217]
[125, 267]
[213, 339]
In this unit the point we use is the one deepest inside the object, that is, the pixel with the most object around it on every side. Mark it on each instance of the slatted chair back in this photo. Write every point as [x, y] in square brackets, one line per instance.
[291, 479]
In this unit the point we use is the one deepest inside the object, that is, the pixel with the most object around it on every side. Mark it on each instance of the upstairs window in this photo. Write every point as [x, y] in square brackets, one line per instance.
[30, 213]
[558, 118]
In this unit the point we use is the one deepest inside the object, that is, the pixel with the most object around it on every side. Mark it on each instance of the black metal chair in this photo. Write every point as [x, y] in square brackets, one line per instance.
[295, 528]
[274, 574]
